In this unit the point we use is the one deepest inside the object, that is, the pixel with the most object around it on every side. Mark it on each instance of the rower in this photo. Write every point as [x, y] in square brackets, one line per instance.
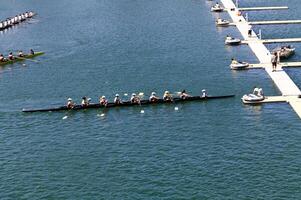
[103, 101]
[70, 103]
[1, 25]
[135, 99]
[204, 93]
[167, 96]
[11, 56]
[19, 18]
[2, 59]
[117, 99]
[16, 19]
[184, 95]
[30, 14]
[260, 92]
[85, 102]
[26, 14]
[31, 52]
[153, 97]
[20, 54]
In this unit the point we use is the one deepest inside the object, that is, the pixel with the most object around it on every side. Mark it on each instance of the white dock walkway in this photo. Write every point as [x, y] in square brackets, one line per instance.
[269, 41]
[269, 65]
[286, 86]
[275, 22]
[263, 8]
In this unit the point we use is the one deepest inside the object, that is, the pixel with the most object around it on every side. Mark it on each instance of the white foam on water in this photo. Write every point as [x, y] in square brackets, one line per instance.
[142, 111]
[176, 108]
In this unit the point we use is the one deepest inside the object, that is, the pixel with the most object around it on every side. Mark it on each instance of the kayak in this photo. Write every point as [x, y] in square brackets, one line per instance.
[18, 59]
[128, 104]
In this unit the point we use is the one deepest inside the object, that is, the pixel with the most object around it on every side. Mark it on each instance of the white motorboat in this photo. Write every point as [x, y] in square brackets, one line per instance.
[252, 99]
[217, 8]
[222, 22]
[232, 41]
[239, 65]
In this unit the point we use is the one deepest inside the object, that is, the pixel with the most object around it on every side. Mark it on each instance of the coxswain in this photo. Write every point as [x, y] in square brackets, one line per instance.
[85, 102]
[153, 97]
[135, 99]
[70, 103]
[167, 96]
[204, 93]
[31, 52]
[11, 56]
[20, 54]
[2, 59]
[184, 95]
[117, 99]
[103, 101]
[30, 14]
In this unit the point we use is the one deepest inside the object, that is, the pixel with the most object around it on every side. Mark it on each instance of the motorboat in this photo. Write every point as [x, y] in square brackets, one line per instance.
[236, 65]
[285, 51]
[222, 22]
[217, 8]
[252, 99]
[232, 41]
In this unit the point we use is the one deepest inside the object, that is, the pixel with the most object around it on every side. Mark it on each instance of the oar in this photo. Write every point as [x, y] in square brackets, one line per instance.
[22, 58]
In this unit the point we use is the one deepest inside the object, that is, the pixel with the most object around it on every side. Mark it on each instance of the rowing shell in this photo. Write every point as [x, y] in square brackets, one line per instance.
[18, 59]
[128, 103]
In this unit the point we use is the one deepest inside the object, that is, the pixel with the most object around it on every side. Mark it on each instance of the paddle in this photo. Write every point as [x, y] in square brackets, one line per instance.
[22, 58]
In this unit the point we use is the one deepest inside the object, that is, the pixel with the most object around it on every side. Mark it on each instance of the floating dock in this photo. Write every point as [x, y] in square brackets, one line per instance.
[269, 65]
[262, 8]
[271, 22]
[269, 41]
[284, 83]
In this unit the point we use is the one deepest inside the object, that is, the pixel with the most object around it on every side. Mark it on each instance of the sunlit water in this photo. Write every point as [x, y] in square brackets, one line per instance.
[218, 149]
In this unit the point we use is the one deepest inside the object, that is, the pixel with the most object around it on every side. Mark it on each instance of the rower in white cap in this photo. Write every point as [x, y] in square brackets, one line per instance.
[204, 93]
[135, 99]
[117, 99]
[70, 103]
[103, 101]
[167, 96]
[153, 97]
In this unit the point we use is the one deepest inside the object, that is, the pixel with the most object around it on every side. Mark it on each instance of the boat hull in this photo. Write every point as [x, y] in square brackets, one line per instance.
[18, 59]
[129, 104]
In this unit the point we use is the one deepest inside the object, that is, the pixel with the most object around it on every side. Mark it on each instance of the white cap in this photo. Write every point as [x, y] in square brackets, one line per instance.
[133, 94]
[166, 92]
[117, 95]
[89, 99]
[103, 97]
[153, 93]
[69, 99]
[203, 90]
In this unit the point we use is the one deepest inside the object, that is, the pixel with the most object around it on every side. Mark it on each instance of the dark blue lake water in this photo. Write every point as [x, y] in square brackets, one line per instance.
[204, 150]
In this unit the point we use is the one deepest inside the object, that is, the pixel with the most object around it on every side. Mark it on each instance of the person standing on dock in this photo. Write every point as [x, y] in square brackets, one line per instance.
[249, 30]
[274, 60]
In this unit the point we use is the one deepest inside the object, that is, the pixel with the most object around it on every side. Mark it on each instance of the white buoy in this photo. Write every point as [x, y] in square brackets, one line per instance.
[65, 117]
[24, 65]
[176, 108]
[142, 111]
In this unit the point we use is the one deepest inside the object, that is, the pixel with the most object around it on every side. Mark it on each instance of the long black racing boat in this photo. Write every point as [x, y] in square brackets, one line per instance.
[128, 104]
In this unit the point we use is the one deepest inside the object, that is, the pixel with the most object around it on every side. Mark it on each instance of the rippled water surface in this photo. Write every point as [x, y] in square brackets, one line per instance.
[218, 149]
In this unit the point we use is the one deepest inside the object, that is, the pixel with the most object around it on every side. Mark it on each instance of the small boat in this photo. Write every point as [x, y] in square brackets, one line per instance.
[285, 51]
[217, 8]
[222, 22]
[252, 99]
[18, 59]
[129, 104]
[239, 65]
[232, 41]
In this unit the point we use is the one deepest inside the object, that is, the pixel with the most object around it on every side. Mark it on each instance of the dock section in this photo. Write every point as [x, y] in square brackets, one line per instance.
[284, 83]
[274, 22]
[269, 41]
[263, 8]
